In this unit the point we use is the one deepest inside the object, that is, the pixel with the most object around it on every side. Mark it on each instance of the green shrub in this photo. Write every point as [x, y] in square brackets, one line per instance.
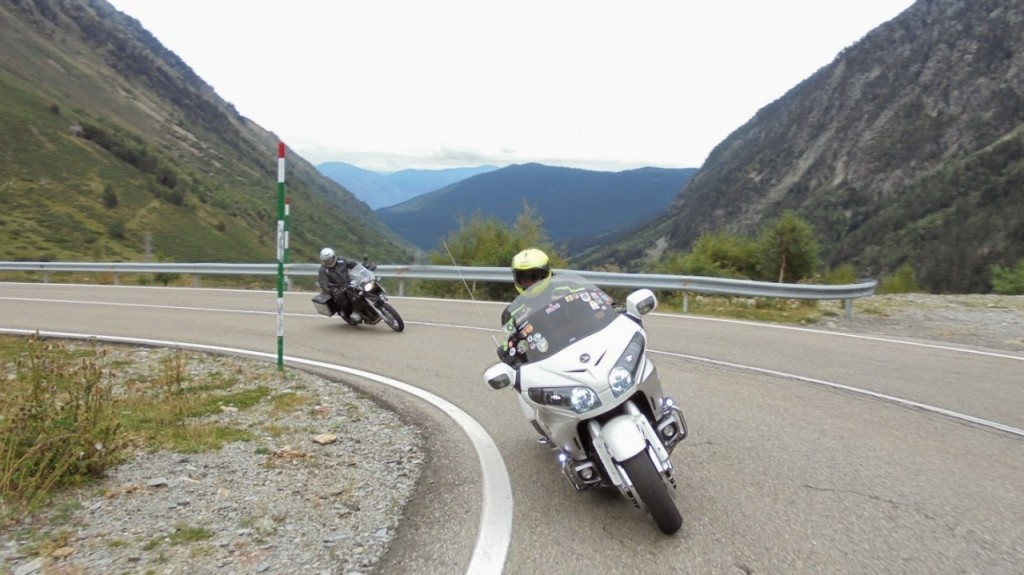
[109, 197]
[1009, 281]
[902, 280]
[841, 275]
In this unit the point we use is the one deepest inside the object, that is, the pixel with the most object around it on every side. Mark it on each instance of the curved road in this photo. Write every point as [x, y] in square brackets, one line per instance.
[789, 467]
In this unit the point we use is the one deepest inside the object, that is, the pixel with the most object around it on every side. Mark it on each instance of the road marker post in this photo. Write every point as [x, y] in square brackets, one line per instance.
[282, 252]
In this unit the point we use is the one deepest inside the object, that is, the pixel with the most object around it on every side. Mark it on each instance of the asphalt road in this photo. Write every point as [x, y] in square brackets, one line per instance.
[783, 471]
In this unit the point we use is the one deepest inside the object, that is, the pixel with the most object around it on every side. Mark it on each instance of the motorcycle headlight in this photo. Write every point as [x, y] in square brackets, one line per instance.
[577, 399]
[620, 379]
[623, 374]
[370, 286]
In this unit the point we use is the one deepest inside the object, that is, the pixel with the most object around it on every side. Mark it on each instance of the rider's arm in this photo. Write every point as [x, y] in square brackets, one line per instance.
[510, 337]
[322, 280]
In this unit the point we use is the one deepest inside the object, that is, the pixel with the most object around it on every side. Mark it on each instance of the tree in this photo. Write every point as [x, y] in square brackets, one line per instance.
[488, 242]
[714, 255]
[788, 251]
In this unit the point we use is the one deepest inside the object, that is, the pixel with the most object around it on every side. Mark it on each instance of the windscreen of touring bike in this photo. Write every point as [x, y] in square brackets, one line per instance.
[549, 318]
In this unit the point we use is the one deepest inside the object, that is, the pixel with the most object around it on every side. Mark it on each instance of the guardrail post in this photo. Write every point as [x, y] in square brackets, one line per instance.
[848, 306]
[115, 279]
[686, 301]
[401, 288]
[46, 278]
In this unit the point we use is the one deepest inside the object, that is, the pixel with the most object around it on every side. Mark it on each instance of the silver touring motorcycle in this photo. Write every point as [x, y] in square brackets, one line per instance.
[586, 384]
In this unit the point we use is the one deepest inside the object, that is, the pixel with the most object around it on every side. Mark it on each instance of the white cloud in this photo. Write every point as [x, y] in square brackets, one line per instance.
[599, 84]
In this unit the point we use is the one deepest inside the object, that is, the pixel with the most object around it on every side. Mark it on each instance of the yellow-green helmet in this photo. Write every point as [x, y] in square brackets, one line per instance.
[530, 267]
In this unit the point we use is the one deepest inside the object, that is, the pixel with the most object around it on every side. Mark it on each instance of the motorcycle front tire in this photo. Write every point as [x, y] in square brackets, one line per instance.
[653, 492]
[390, 316]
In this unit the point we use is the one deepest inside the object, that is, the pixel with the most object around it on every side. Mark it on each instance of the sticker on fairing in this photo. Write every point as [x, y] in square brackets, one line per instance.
[542, 345]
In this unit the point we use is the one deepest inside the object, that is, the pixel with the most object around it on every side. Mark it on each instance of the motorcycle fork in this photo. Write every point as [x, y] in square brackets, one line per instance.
[652, 445]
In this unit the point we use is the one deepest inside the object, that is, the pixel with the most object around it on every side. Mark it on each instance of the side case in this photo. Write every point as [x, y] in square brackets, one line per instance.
[324, 304]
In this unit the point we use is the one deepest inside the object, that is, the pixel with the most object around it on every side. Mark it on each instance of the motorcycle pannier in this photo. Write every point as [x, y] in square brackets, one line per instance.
[323, 304]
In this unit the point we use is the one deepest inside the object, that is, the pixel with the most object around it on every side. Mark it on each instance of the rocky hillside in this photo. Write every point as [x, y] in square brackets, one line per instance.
[907, 148]
[112, 148]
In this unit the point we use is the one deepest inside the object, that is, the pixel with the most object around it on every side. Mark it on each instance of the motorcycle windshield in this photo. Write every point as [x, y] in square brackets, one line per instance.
[557, 315]
[359, 274]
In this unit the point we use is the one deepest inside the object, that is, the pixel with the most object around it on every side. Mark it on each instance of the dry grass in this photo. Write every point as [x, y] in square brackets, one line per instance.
[72, 410]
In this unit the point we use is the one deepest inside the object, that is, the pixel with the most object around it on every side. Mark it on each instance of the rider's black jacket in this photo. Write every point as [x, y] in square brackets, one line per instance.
[336, 276]
[333, 281]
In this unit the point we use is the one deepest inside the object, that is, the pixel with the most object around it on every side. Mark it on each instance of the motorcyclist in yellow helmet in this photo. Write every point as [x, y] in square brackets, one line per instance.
[531, 269]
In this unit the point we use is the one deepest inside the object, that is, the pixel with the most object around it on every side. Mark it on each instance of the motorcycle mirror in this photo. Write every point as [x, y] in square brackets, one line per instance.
[641, 302]
[499, 376]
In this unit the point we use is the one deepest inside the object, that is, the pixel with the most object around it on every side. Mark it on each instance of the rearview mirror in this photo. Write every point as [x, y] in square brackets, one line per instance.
[641, 302]
[499, 376]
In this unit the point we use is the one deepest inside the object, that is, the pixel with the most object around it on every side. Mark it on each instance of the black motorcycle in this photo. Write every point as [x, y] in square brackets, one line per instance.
[369, 300]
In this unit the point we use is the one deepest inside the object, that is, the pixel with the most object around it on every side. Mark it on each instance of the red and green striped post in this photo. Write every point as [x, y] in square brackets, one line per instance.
[282, 253]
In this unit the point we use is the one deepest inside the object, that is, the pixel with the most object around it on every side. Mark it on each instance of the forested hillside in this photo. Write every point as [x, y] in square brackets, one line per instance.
[907, 149]
[576, 205]
[112, 148]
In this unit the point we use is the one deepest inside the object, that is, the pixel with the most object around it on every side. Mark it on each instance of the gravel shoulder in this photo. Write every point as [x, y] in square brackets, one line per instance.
[977, 320]
[321, 490]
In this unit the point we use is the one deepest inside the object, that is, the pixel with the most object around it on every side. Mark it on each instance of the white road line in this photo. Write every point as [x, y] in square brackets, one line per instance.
[223, 310]
[495, 534]
[875, 394]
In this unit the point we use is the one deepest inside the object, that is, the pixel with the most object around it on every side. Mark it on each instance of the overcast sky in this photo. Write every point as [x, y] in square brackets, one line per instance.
[596, 84]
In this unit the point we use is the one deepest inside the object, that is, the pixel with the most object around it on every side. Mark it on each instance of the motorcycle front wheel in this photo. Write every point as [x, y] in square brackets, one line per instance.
[390, 316]
[653, 492]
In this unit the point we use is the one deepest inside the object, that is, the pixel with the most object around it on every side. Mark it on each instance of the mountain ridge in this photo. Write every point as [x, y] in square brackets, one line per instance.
[383, 189]
[574, 204]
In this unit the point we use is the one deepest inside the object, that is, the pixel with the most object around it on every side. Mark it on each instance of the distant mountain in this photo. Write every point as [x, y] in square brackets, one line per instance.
[907, 148]
[380, 190]
[575, 205]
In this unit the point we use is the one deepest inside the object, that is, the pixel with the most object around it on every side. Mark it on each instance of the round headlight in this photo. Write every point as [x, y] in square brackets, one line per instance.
[583, 400]
[620, 379]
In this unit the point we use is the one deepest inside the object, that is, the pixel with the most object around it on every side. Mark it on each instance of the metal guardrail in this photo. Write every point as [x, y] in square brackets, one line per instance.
[685, 284]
